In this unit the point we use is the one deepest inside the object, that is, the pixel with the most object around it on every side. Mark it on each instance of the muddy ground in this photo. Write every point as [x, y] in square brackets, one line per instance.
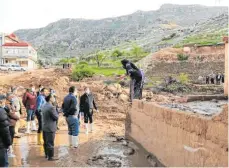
[106, 146]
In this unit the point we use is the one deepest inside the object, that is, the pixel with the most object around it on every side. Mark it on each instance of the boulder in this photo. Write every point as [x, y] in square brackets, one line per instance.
[123, 97]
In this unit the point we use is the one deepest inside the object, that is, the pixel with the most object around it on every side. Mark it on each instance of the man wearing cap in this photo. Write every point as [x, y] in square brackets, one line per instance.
[5, 138]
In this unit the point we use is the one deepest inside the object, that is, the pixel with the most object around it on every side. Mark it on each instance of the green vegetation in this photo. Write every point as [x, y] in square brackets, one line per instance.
[82, 71]
[211, 38]
[183, 78]
[107, 63]
[182, 57]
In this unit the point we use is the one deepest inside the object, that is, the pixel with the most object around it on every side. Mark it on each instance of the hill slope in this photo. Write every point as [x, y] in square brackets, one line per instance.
[74, 37]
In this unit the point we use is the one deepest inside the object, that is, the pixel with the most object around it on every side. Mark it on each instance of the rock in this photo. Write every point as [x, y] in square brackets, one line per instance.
[129, 152]
[133, 146]
[115, 88]
[152, 160]
[123, 97]
[214, 100]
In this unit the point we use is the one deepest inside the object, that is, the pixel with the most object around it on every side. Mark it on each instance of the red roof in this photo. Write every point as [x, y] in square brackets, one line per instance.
[21, 44]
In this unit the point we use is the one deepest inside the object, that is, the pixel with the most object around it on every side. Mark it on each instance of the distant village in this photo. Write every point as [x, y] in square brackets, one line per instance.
[17, 52]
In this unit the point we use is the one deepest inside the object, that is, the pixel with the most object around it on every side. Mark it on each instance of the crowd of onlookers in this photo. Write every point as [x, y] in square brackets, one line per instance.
[215, 79]
[42, 105]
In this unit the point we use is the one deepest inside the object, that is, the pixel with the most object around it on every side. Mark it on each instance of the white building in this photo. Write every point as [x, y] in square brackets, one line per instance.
[17, 52]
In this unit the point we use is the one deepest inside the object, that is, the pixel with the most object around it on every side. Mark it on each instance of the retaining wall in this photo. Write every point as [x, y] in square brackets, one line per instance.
[179, 138]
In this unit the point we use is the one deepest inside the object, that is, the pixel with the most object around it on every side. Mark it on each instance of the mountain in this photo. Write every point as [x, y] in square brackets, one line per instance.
[77, 37]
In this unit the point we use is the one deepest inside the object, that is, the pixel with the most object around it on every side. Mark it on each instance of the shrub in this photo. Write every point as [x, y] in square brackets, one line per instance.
[83, 63]
[183, 78]
[182, 57]
[81, 72]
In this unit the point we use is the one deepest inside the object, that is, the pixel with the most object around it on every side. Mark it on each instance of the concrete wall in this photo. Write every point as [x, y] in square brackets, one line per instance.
[179, 138]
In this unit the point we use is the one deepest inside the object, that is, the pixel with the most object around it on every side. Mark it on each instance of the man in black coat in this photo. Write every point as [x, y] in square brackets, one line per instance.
[5, 137]
[49, 118]
[137, 79]
[87, 104]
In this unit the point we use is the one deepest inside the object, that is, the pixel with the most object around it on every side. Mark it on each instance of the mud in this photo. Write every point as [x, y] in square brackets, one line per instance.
[103, 152]
[200, 107]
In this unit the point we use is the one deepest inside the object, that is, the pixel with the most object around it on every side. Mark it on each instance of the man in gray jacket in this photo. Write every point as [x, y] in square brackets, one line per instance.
[49, 118]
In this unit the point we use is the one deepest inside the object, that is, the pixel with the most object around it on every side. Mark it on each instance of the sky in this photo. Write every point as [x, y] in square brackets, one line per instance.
[23, 14]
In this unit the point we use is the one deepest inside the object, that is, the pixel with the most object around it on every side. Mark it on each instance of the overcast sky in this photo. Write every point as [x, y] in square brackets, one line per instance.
[20, 14]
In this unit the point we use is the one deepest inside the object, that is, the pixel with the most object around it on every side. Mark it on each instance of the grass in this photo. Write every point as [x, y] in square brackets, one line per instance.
[204, 39]
[107, 71]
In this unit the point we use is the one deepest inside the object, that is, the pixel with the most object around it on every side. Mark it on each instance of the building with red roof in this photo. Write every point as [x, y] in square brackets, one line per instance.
[15, 51]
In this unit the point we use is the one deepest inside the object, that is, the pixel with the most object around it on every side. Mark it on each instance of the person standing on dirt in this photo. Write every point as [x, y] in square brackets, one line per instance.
[137, 79]
[40, 103]
[11, 109]
[87, 104]
[49, 118]
[71, 113]
[218, 78]
[29, 101]
[222, 78]
[5, 137]
[207, 79]
[17, 106]
[55, 104]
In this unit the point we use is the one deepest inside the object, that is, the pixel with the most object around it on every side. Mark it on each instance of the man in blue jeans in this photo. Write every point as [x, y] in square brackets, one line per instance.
[71, 112]
[5, 138]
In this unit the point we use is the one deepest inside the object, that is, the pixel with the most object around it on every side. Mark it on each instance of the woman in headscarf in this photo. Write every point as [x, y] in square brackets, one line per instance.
[137, 78]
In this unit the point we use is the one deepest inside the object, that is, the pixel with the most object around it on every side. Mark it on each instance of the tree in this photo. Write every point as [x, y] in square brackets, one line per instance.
[68, 61]
[136, 50]
[100, 57]
[117, 53]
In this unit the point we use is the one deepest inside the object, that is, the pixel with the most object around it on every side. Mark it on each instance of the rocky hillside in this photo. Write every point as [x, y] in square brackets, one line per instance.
[74, 37]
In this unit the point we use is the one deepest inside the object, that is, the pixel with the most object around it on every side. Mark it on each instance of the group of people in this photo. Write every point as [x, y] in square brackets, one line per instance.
[215, 79]
[43, 104]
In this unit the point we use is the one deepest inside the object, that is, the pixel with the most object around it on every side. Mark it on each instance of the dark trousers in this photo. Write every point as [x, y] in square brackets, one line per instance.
[39, 123]
[88, 116]
[12, 132]
[135, 89]
[212, 81]
[3, 158]
[49, 138]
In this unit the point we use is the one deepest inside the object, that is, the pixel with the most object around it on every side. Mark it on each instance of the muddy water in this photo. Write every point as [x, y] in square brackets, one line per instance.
[201, 107]
[93, 151]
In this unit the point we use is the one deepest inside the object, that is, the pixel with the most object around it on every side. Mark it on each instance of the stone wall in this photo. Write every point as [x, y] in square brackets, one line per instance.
[194, 70]
[179, 138]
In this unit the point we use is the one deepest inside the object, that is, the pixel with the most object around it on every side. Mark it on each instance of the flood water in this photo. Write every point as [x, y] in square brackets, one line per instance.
[93, 151]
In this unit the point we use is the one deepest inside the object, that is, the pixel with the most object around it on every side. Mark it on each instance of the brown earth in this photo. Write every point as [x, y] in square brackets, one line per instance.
[112, 101]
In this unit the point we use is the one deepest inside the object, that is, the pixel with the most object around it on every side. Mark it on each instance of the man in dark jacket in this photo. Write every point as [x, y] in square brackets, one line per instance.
[137, 79]
[5, 138]
[40, 103]
[87, 104]
[10, 108]
[29, 101]
[49, 118]
[71, 112]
